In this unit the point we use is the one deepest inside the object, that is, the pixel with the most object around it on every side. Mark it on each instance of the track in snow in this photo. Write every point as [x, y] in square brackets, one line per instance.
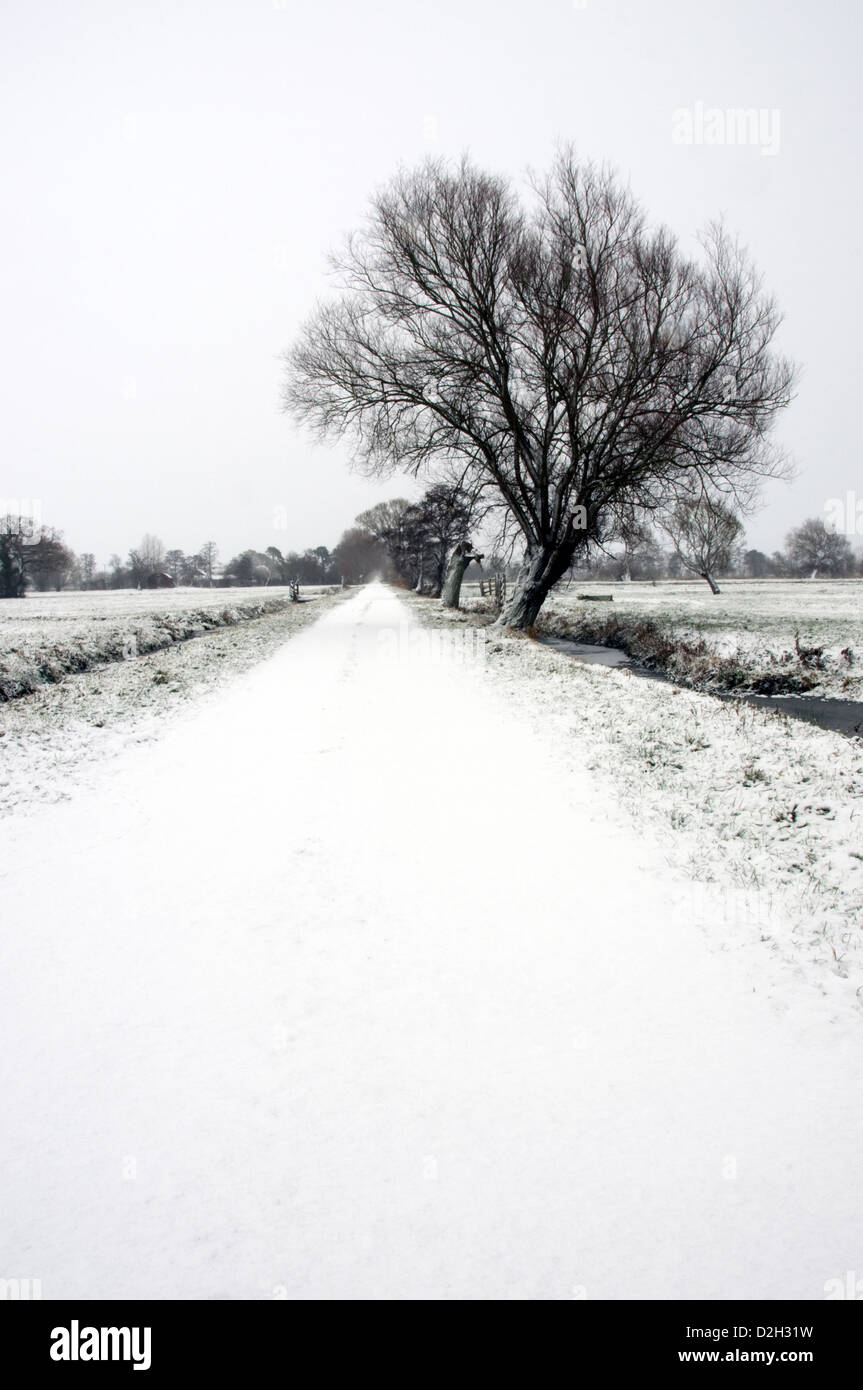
[342, 990]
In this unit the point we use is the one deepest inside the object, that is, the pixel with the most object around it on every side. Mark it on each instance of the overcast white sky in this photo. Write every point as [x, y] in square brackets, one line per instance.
[173, 174]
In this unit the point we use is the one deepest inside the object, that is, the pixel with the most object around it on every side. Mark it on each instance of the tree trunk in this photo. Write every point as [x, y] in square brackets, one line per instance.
[461, 557]
[542, 567]
[714, 587]
[436, 583]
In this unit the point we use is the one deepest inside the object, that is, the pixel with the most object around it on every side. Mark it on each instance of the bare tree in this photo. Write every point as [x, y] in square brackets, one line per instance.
[31, 555]
[16, 533]
[632, 534]
[704, 531]
[359, 554]
[49, 562]
[392, 525]
[137, 569]
[445, 517]
[814, 548]
[176, 565]
[87, 568]
[567, 358]
[208, 557]
[757, 565]
[454, 510]
[151, 553]
[420, 537]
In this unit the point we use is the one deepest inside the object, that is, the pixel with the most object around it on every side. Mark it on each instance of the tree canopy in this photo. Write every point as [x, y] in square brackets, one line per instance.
[568, 358]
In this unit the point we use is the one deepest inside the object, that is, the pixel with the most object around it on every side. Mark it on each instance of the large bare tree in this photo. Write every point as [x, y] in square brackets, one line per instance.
[570, 360]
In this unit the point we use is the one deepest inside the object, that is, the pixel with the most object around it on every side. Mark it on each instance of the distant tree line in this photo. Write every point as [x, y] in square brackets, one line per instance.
[416, 544]
[812, 550]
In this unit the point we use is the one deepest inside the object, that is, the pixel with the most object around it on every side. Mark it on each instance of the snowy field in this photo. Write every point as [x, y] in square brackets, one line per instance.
[382, 974]
[54, 612]
[44, 637]
[52, 617]
[55, 739]
[754, 621]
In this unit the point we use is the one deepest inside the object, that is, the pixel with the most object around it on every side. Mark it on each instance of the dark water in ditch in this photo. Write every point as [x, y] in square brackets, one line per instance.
[842, 716]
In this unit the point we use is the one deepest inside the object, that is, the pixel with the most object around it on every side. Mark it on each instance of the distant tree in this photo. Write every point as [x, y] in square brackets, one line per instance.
[249, 569]
[756, 565]
[359, 555]
[262, 568]
[446, 516]
[814, 548]
[87, 569]
[324, 560]
[703, 531]
[383, 519]
[390, 524]
[421, 537]
[176, 565]
[278, 563]
[16, 532]
[151, 553]
[633, 551]
[138, 569]
[189, 569]
[119, 576]
[49, 563]
[647, 559]
[241, 569]
[31, 555]
[779, 565]
[208, 558]
[314, 566]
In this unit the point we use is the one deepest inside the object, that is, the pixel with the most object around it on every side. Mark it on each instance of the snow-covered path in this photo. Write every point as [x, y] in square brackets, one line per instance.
[342, 990]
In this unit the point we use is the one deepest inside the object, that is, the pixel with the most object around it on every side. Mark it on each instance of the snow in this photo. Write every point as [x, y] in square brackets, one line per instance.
[352, 986]
[753, 621]
[45, 637]
[53, 740]
[760, 811]
[78, 608]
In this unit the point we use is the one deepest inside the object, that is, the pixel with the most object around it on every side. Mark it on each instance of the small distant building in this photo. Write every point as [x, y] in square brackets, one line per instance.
[159, 580]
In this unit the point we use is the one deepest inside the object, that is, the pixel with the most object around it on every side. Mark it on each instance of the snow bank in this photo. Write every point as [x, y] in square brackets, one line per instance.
[54, 740]
[744, 639]
[42, 642]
